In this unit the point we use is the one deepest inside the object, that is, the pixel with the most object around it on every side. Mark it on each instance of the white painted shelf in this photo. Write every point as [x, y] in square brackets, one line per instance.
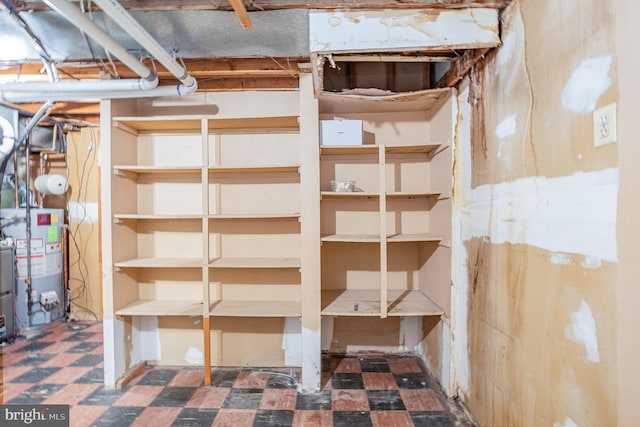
[161, 308]
[256, 309]
[160, 263]
[255, 263]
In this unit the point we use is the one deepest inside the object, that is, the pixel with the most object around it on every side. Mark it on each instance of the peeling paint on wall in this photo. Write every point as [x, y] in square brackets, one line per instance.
[193, 356]
[587, 83]
[583, 330]
[507, 127]
[86, 212]
[572, 214]
[559, 258]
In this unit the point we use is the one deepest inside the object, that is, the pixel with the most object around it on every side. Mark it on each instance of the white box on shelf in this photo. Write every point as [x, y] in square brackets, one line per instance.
[341, 132]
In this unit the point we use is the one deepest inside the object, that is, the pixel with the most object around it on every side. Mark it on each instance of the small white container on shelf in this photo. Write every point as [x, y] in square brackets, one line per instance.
[341, 132]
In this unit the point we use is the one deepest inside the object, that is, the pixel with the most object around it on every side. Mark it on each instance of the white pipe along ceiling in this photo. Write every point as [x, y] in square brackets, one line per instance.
[146, 86]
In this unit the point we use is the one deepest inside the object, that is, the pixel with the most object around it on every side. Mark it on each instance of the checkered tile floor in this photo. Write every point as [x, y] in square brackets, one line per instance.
[65, 366]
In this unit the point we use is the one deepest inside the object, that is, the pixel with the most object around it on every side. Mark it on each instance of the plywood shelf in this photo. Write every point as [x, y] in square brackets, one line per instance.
[194, 123]
[374, 149]
[420, 237]
[151, 217]
[348, 195]
[411, 303]
[352, 238]
[162, 308]
[411, 149]
[250, 216]
[227, 308]
[254, 169]
[160, 263]
[366, 302]
[255, 263]
[159, 170]
[351, 302]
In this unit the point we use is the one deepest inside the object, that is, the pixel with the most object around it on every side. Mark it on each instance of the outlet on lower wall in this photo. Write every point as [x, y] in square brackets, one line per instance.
[604, 125]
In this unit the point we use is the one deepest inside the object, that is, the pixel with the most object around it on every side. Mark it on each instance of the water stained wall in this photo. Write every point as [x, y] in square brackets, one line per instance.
[536, 212]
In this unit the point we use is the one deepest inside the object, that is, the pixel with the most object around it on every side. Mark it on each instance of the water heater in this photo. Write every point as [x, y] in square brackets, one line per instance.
[45, 301]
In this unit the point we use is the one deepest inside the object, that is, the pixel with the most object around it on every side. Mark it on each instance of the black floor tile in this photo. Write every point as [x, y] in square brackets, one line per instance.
[243, 398]
[430, 419]
[35, 375]
[35, 358]
[314, 401]
[411, 380]
[385, 400]
[88, 360]
[195, 417]
[119, 416]
[174, 396]
[374, 365]
[37, 394]
[84, 347]
[273, 418]
[158, 377]
[352, 419]
[104, 396]
[224, 377]
[276, 380]
[34, 346]
[94, 376]
[80, 336]
[352, 381]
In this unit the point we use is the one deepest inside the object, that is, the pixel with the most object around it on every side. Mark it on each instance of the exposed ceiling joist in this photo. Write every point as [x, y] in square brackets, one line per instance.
[241, 12]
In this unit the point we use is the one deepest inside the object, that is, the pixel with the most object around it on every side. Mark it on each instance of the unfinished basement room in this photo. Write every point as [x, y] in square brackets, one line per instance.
[280, 213]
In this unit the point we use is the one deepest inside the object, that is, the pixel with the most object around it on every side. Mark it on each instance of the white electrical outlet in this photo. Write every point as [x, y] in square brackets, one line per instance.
[604, 125]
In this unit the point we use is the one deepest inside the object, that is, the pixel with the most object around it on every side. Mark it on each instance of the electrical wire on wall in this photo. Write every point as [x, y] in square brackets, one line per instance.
[77, 210]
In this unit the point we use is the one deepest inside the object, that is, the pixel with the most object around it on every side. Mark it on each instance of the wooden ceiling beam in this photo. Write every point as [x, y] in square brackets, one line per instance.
[241, 13]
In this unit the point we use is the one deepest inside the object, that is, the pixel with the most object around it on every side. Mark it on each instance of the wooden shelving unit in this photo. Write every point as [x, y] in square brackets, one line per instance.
[199, 226]
[379, 243]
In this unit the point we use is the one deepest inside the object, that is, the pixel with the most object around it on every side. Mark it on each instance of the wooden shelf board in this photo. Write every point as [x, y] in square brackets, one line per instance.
[411, 303]
[348, 195]
[352, 238]
[351, 302]
[411, 149]
[422, 237]
[270, 123]
[404, 195]
[255, 263]
[348, 149]
[256, 309]
[193, 123]
[242, 169]
[161, 123]
[160, 263]
[162, 308]
[155, 217]
[254, 216]
[158, 169]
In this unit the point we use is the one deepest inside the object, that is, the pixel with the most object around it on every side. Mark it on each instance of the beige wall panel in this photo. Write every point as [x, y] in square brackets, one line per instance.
[432, 345]
[255, 193]
[402, 265]
[170, 284]
[529, 305]
[247, 342]
[169, 150]
[357, 265]
[124, 241]
[125, 148]
[166, 196]
[408, 216]
[365, 334]
[254, 239]
[409, 175]
[258, 149]
[178, 338]
[435, 274]
[126, 200]
[346, 168]
[522, 337]
[261, 292]
[125, 288]
[162, 240]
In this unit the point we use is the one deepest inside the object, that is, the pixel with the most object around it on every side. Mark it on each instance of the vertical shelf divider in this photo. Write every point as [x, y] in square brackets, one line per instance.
[206, 321]
[383, 229]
